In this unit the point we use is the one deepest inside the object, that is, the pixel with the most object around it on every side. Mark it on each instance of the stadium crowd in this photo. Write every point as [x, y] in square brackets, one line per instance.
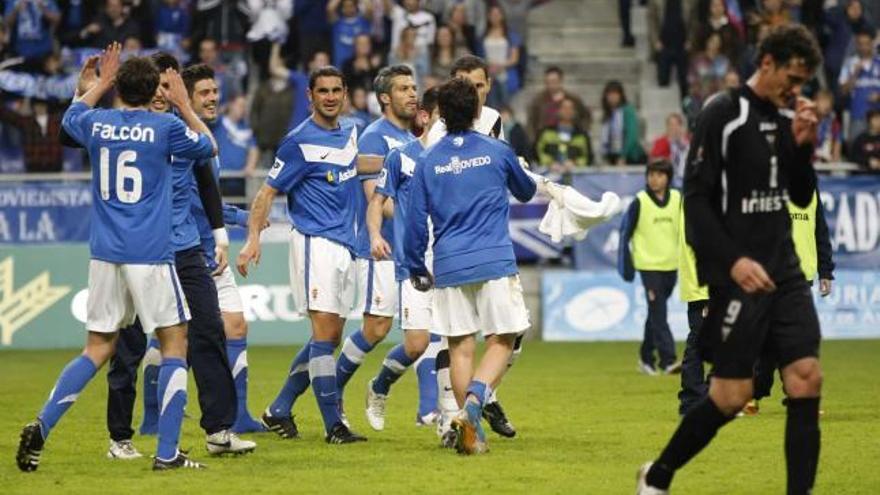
[263, 50]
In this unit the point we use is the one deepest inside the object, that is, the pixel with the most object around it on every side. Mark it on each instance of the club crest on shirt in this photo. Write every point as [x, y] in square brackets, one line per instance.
[314, 294]
[458, 141]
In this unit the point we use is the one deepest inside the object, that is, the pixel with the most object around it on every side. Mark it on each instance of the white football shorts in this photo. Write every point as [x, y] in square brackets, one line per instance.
[377, 287]
[322, 275]
[415, 307]
[120, 292]
[493, 307]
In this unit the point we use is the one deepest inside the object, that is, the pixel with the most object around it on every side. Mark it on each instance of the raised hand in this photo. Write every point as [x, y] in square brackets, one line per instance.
[805, 123]
[109, 63]
[88, 75]
[176, 92]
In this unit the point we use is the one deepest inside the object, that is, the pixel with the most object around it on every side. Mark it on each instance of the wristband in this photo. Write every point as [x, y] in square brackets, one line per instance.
[220, 237]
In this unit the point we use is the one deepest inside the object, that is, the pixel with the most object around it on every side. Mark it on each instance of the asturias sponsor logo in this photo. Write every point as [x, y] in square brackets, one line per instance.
[456, 165]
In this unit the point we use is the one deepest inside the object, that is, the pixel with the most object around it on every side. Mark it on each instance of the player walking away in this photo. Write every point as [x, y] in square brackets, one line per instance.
[812, 242]
[694, 382]
[652, 223]
[750, 156]
[394, 187]
[488, 122]
[396, 92]
[462, 182]
[315, 167]
[204, 92]
[131, 269]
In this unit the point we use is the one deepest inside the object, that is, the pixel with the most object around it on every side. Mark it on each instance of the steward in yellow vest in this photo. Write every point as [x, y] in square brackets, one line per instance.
[649, 237]
[812, 243]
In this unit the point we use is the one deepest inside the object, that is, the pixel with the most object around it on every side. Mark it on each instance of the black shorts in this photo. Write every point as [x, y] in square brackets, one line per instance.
[740, 328]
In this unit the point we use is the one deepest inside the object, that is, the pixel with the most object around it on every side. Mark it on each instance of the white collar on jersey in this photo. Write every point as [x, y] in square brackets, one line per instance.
[334, 156]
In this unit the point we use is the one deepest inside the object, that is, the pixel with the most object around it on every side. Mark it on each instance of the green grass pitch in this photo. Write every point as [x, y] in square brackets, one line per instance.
[586, 421]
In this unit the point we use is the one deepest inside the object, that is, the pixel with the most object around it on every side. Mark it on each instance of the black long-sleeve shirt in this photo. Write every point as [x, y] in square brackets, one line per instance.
[823, 244]
[743, 167]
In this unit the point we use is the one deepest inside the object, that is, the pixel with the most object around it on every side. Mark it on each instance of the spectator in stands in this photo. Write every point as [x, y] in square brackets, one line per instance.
[564, 146]
[621, 132]
[517, 16]
[132, 44]
[866, 148]
[748, 58]
[444, 52]
[465, 37]
[173, 24]
[314, 31]
[712, 18]
[39, 125]
[668, 28]
[841, 21]
[772, 13]
[410, 14]
[4, 43]
[829, 138]
[297, 80]
[860, 81]
[31, 25]
[229, 81]
[706, 74]
[731, 79]
[544, 108]
[347, 24]
[271, 113]
[624, 10]
[361, 69]
[409, 53]
[516, 135]
[500, 49]
[673, 146]
[356, 109]
[113, 24]
[474, 13]
[237, 147]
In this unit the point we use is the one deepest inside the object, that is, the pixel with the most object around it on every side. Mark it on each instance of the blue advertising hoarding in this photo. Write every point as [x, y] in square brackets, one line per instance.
[599, 305]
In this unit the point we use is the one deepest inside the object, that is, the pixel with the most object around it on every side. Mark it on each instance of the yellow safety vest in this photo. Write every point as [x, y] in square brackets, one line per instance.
[689, 287]
[655, 239]
[803, 233]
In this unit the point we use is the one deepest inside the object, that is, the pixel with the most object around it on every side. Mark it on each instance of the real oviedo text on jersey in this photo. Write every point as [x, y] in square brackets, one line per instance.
[456, 166]
[136, 132]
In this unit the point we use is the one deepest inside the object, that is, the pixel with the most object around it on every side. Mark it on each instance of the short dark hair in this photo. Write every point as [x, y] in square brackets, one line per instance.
[164, 61]
[195, 73]
[137, 80]
[469, 63]
[458, 103]
[554, 69]
[660, 165]
[328, 71]
[382, 82]
[865, 30]
[429, 99]
[788, 42]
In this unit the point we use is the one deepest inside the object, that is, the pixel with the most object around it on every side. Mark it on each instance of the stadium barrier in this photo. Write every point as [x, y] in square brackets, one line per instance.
[44, 256]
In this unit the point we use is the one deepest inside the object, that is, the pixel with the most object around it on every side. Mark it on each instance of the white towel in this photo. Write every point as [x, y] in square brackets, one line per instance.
[570, 213]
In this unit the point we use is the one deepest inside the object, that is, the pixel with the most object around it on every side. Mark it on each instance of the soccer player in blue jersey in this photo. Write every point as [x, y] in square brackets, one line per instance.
[204, 93]
[415, 307]
[488, 123]
[462, 183]
[315, 168]
[131, 271]
[396, 93]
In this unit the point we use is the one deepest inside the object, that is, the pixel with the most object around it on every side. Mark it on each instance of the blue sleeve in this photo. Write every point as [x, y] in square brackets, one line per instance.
[289, 167]
[235, 216]
[417, 225]
[518, 181]
[624, 256]
[388, 179]
[186, 143]
[372, 143]
[75, 122]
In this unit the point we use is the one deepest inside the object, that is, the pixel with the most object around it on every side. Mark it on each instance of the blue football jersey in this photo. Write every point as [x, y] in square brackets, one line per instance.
[379, 138]
[206, 233]
[184, 230]
[316, 168]
[395, 182]
[130, 153]
[462, 182]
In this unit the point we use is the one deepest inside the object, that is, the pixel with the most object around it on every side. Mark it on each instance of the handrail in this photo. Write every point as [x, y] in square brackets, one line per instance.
[833, 168]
